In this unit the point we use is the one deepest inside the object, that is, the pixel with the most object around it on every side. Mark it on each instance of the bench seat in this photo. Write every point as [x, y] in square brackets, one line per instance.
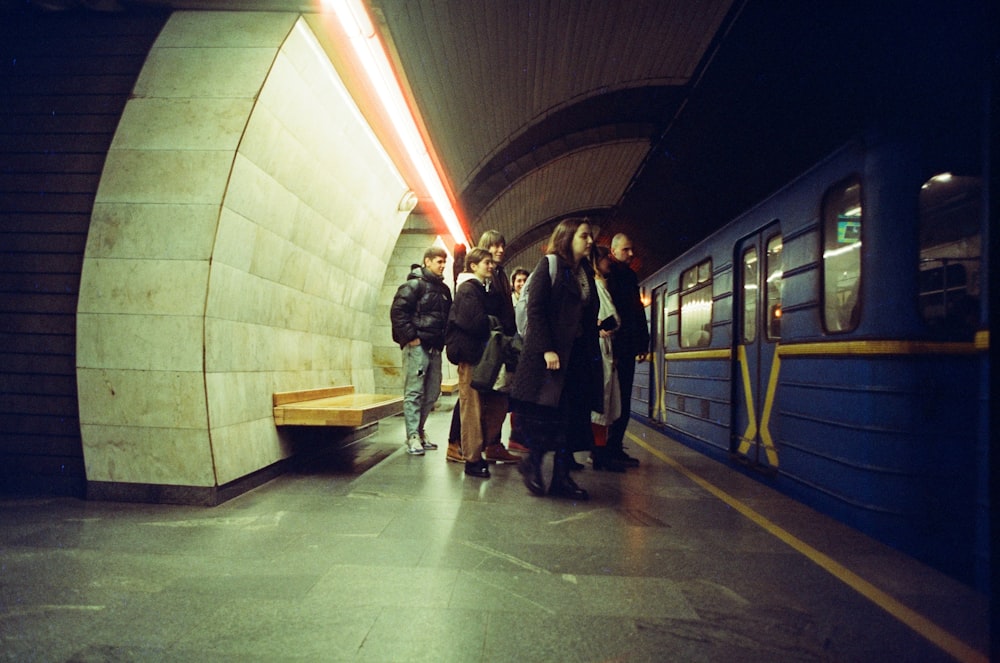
[333, 406]
[449, 386]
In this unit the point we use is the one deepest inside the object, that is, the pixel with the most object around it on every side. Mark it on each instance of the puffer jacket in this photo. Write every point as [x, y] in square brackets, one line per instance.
[420, 309]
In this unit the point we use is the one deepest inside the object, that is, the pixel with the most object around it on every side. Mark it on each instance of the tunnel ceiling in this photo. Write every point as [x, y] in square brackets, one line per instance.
[660, 118]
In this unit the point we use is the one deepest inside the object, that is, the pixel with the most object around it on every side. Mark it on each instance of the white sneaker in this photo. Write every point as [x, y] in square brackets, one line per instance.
[414, 446]
[425, 443]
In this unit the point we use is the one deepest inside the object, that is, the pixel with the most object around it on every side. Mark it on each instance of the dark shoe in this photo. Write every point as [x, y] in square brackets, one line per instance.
[604, 463]
[572, 465]
[566, 487]
[623, 458]
[562, 483]
[479, 469]
[627, 460]
[530, 468]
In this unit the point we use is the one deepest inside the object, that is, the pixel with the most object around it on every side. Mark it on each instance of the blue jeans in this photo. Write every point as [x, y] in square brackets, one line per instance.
[421, 385]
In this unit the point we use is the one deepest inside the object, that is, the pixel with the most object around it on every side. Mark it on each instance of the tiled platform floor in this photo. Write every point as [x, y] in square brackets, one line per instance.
[409, 560]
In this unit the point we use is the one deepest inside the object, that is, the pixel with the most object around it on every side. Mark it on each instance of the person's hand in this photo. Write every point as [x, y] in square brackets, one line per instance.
[551, 361]
[415, 342]
[641, 358]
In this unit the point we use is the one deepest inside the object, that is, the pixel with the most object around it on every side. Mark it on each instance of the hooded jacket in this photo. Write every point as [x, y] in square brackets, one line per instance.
[420, 309]
[469, 322]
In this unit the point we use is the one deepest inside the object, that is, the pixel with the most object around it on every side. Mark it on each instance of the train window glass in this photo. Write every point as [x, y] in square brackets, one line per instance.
[774, 281]
[951, 212]
[750, 271]
[842, 256]
[696, 306]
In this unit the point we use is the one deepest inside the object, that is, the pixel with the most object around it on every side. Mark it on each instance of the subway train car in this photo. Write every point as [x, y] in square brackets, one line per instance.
[833, 341]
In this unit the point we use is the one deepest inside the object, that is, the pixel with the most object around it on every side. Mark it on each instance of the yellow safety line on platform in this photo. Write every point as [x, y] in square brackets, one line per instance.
[923, 626]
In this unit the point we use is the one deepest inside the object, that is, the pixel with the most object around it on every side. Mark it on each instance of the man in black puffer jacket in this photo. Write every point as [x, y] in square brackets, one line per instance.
[419, 315]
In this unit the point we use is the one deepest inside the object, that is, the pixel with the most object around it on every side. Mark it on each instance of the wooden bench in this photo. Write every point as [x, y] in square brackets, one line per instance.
[333, 406]
[449, 386]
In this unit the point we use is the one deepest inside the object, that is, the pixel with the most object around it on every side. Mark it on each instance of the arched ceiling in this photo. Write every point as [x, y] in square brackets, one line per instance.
[659, 118]
[542, 109]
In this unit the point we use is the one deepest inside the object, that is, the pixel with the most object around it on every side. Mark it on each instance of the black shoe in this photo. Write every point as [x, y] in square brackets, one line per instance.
[566, 487]
[572, 465]
[624, 459]
[480, 469]
[562, 483]
[530, 468]
[604, 463]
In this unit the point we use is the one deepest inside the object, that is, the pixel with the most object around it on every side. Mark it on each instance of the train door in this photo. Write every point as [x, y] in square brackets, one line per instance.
[757, 331]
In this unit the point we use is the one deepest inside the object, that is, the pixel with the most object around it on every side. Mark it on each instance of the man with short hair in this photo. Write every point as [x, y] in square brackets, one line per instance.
[419, 315]
[631, 339]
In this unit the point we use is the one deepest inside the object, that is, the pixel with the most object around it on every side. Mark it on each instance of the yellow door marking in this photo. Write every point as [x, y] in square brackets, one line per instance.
[912, 619]
[751, 432]
[765, 419]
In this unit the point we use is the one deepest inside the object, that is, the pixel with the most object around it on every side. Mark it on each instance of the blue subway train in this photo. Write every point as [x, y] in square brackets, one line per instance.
[833, 341]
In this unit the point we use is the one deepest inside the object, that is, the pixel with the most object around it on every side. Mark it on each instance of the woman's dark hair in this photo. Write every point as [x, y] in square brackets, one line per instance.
[561, 239]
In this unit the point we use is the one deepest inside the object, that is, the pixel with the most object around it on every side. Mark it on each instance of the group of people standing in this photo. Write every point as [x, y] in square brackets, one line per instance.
[585, 327]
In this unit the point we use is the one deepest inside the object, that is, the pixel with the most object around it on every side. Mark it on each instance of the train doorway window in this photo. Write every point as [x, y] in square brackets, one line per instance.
[842, 225]
[774, 280]
[751, 267]
[951, 212]
[696, 306]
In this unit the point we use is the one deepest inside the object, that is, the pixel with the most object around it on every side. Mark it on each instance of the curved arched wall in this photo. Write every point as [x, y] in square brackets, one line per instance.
[238, 243]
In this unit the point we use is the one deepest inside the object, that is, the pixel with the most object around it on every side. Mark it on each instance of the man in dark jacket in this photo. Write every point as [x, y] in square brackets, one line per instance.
[419, 315]
[631, 340]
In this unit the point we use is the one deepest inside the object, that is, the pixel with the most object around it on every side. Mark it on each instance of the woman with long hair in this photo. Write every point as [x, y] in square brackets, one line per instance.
[558, 379]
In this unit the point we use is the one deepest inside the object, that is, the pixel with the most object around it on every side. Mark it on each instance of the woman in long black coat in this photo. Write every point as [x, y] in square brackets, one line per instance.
[558, 379]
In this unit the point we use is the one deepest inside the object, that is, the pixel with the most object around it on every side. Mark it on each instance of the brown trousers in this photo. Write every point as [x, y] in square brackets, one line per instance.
[481, 412]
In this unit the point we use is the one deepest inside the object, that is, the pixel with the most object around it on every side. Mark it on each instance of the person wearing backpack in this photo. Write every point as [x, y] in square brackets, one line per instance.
[419, 315]
[559, 376]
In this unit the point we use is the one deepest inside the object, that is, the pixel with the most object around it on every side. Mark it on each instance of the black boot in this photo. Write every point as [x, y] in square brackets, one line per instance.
[562, 483]
[530, 468]
[603, 461]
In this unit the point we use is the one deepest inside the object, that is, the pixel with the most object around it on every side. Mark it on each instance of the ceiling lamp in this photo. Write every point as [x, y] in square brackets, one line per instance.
[371, 54]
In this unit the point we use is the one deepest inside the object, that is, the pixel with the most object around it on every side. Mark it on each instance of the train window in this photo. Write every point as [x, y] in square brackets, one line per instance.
[750, 271]
[842, 256]
[775, 271]
[696, 306]
[951, 212]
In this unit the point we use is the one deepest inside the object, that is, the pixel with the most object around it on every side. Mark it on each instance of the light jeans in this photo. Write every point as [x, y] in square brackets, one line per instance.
[421, 385]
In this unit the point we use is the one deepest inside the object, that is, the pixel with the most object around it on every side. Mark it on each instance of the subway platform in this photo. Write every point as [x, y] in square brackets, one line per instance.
[374, 555]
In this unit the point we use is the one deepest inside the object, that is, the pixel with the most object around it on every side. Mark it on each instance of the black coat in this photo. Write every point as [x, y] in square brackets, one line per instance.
[556, 315]
[468, 323]
[420, 309]
[632, 336]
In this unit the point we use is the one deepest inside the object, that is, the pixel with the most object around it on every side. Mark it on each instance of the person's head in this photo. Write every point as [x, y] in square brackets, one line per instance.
[494, 242]
[571, 239]
[435, 259]
[621, 248]
[518, 279]
[601, 260]
[480, 263]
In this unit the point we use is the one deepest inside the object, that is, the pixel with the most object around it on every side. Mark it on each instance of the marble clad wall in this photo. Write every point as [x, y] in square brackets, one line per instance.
[240, 235]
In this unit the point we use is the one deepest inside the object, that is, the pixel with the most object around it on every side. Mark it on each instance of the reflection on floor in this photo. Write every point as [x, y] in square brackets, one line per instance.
[375, 555]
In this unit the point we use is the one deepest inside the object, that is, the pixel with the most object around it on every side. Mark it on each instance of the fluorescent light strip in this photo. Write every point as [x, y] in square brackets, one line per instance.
[354, 18]
[331, 75]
